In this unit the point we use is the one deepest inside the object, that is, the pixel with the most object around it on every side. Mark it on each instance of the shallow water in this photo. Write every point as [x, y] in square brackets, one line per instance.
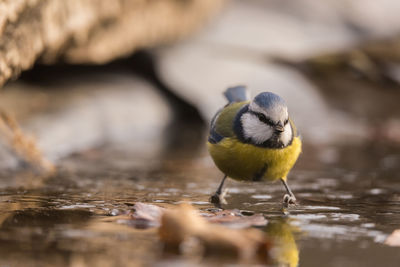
[348, 205]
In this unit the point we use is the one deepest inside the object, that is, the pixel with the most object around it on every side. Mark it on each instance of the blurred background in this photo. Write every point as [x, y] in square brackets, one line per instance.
[104, 104]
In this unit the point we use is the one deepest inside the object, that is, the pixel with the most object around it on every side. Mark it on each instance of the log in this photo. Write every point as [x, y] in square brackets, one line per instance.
[91, 31]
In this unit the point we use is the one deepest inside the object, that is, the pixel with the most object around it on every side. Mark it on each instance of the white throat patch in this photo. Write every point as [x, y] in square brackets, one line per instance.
[286, 135]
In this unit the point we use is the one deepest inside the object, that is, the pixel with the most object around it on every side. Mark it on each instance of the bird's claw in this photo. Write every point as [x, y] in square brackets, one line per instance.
[219, 199]
[289, 199]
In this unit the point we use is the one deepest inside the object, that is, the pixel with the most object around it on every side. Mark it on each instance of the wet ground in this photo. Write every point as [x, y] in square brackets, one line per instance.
[348, 205]
[348, 189]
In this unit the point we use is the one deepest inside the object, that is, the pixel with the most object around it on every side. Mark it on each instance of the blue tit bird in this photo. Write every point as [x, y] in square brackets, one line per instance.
[253, 140]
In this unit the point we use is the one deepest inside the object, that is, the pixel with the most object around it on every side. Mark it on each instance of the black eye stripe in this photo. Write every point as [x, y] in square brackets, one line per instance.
[263, 118]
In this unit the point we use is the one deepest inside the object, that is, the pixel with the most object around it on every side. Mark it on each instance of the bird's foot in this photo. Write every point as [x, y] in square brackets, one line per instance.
[219, 199]
[289, 200]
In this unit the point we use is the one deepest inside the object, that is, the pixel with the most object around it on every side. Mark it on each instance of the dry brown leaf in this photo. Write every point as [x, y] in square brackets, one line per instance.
[145, 215]
[184, 230]
[180, 226]
[142, 216]
[394, 239]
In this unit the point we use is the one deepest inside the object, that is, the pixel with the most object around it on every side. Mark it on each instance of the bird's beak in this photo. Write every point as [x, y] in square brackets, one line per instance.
[279, 128]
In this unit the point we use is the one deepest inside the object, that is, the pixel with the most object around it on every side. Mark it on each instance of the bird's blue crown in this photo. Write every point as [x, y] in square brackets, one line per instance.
[268, 100]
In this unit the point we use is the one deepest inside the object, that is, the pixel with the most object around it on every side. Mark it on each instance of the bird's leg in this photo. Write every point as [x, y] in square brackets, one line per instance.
[219, 197]
[289, 197]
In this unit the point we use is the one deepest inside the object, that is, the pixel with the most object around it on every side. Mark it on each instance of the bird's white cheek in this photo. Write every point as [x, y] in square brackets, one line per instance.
[254, 129]
[286, 135]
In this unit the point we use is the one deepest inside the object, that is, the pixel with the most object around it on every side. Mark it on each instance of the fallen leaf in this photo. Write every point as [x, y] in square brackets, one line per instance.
[145, 215]
[216, 233]
[183, 225]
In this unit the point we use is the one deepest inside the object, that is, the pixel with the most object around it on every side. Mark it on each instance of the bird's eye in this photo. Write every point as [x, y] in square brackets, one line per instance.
[286, 121]
[264, 119]
[261, 117]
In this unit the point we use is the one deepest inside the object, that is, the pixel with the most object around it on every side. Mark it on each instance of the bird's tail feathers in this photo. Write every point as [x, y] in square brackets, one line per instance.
[237, 94]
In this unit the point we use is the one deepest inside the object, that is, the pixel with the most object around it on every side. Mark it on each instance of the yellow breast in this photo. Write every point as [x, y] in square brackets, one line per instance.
[243, 161]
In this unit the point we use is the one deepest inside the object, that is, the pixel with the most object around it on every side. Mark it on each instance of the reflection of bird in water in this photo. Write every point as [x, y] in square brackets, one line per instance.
[284, 250]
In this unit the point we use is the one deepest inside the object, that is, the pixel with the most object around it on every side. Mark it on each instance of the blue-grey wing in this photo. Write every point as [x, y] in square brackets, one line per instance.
[214, 137]
[233, 95]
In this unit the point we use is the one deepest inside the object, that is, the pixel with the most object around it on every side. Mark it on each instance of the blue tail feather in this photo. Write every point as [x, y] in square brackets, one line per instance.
[237, 94]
